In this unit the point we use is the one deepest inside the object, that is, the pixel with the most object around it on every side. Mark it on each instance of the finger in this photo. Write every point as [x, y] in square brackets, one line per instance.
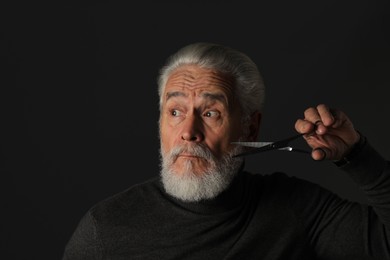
[322, 153]
[319, 154]
[304, 127]
[311, 114]
[326, 114]
[340, 118]
[331, 117]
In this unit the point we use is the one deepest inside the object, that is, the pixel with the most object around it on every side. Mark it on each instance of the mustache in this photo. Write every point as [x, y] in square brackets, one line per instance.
[197, 150]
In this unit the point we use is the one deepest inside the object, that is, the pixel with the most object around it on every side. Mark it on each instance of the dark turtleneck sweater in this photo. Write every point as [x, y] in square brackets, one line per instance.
[258, 217]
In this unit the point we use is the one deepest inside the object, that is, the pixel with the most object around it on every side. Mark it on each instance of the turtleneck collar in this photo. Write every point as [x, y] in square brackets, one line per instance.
[227, 200]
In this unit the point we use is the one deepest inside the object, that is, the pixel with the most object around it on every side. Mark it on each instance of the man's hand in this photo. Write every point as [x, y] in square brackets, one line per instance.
[329, 132]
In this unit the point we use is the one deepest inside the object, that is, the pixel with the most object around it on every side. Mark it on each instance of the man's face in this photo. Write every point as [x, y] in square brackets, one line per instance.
[199, 109]
[199, 119]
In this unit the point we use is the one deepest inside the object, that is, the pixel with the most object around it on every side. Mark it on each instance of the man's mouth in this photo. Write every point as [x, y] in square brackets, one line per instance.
[188, 156]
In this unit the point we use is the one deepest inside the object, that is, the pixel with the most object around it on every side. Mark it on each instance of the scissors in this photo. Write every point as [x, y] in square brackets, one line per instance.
[283, 145]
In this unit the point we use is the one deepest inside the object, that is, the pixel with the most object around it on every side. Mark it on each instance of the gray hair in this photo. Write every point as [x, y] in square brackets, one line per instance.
[249, 86]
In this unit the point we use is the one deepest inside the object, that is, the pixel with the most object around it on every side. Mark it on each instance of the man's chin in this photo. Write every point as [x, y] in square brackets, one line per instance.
[187, 168]
[197, 179]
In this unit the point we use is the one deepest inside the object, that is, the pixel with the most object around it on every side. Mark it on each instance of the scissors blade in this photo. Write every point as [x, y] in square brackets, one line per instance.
[267, 146]
[252, 144]
[263, 148]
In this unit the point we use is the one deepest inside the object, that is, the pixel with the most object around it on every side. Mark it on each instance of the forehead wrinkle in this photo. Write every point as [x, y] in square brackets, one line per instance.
[187, 78]
[223, 82]
[210, 81]
[218, 85]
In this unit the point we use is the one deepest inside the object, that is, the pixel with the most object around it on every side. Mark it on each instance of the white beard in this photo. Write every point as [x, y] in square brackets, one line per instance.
[190, 187]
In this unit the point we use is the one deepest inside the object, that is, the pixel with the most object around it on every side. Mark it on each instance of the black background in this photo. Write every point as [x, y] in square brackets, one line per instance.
[79, 105]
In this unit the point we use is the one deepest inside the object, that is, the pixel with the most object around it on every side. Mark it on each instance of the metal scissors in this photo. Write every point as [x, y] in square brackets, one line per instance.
[283, 145]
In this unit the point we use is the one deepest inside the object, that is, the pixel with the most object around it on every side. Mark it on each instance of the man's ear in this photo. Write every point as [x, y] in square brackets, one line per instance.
[254, 126]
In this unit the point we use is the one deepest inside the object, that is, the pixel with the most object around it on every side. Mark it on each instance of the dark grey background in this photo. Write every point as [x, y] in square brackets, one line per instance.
[79, 103]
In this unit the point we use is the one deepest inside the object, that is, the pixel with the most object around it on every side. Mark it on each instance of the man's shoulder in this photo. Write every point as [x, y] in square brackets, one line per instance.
[280, 182]
[136, 198]
[271, 178]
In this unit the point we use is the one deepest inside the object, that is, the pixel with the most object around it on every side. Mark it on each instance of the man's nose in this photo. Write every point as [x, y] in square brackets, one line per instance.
[192, 129]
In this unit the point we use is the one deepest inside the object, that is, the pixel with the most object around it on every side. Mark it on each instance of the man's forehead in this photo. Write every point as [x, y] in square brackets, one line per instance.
[193, 78]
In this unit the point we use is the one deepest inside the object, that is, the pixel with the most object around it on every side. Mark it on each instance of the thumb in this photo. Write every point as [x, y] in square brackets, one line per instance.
[320, 153]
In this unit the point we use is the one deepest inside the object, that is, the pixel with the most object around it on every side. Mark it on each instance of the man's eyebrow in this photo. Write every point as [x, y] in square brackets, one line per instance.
[175, 94]
[215, 96]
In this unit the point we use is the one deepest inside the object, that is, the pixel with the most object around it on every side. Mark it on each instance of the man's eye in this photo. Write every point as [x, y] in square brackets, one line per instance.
[211, 114]
[175, 113]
